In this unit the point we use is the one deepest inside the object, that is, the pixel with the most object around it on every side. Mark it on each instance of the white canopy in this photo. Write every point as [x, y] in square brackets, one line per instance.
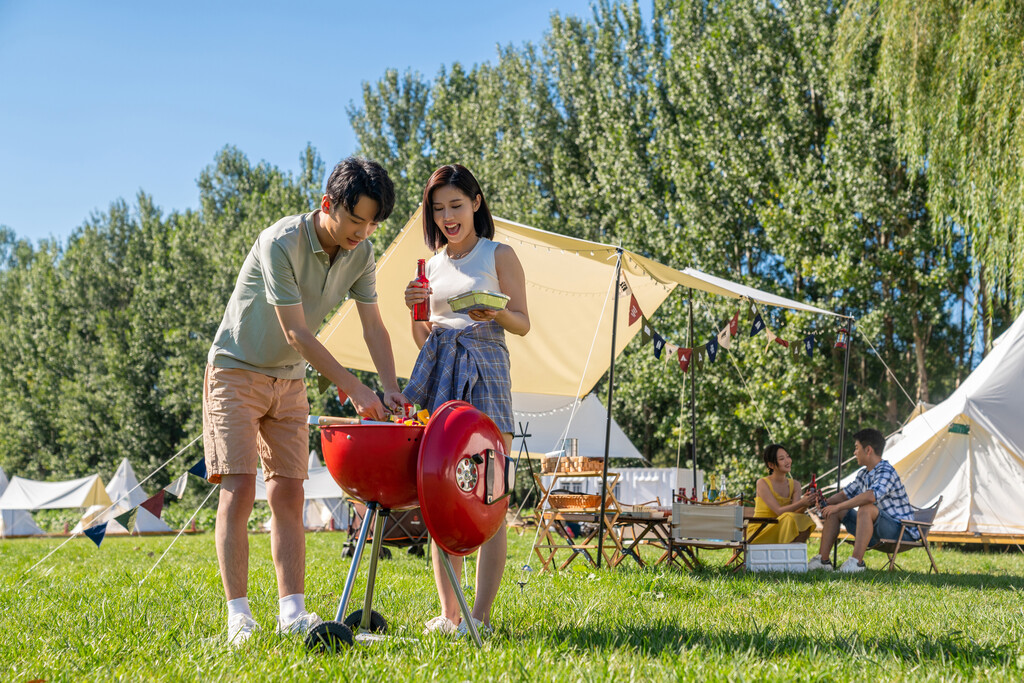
[969, 449]
[546, 419]
[15, 522]
[568, 282]
[26, 494]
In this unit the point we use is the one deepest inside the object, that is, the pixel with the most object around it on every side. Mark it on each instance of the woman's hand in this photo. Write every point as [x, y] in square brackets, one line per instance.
[416, 293]
[483, 315]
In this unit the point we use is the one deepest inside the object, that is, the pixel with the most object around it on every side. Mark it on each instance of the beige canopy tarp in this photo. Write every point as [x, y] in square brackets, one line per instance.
[568, 290]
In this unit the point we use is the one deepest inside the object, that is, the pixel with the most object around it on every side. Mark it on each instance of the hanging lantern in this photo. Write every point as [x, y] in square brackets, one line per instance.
[843, 339]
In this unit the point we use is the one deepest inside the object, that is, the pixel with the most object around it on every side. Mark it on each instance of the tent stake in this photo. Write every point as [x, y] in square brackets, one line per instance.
[608, 421]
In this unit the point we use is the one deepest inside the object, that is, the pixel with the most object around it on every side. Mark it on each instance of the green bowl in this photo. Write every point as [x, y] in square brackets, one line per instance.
[478, 300]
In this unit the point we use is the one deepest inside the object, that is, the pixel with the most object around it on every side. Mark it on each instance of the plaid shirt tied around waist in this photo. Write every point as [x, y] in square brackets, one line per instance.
[469, 364]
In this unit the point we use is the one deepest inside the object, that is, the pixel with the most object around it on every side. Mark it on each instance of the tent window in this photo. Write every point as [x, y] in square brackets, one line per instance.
[959, 429]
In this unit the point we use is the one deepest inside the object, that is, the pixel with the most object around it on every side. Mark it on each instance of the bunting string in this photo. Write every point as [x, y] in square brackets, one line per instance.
[180, 532]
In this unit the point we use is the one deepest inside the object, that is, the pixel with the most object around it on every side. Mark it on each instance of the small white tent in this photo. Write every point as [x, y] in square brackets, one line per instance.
[546, 419]
[86, 492]
[325, 501]
[969, 449]
[126, 493]
[15, 522]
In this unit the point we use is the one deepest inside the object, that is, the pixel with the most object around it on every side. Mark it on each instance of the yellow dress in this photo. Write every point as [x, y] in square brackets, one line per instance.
[790, 524]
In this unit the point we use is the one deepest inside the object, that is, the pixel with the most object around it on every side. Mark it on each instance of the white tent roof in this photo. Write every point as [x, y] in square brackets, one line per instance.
[980, 475]
[15, 522]
[568, 283]
[546, 418]
[126, 493]
[26, 494]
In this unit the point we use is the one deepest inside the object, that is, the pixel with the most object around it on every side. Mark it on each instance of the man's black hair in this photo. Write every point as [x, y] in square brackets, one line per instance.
[873, 438]
[356, 177]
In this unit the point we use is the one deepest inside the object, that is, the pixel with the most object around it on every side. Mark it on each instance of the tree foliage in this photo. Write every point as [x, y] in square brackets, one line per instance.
[737, 138]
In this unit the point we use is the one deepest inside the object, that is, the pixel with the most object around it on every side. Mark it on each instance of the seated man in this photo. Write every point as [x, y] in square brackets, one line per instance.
[871, 507]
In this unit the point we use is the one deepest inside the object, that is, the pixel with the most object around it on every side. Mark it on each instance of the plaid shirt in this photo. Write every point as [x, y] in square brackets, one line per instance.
[890, 496]
[469, 364]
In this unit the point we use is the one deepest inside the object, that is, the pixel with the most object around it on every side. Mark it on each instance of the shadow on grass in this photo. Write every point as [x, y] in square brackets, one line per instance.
[1008, 582]
[663, 636]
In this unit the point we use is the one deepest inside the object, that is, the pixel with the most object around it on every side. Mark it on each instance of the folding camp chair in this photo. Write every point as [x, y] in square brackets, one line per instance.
[923, 519]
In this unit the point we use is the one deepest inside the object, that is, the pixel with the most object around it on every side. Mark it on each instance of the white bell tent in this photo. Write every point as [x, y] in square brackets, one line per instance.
[549, 419]
[15, 522]
[325, 501]
[969, 449]
[125, 492]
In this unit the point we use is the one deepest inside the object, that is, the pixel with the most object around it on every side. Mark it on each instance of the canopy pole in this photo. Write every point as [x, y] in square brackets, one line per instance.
[608, 421]
[842, 423]
[693, 398]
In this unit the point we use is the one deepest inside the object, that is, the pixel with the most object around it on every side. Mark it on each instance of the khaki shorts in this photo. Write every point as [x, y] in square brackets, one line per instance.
[248, 415]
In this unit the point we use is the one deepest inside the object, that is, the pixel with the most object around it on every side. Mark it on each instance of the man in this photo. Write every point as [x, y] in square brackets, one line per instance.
[254, 395]
[871, 507]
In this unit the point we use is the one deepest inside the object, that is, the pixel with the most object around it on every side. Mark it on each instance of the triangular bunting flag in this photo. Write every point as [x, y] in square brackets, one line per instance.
[155, 504]
[322, 383]
[809, 345]
[725, 338]
[669, 352]
[757, 325]
[645, 331]
[129, 519]
[771, 335]
[624, 288]
[734, 325]
[782, 342]
[698, 357]
[177, 487]
[712, 347]
[199, 469]
[96, 533]
[634, 310]
[659, 344]
[684, 359]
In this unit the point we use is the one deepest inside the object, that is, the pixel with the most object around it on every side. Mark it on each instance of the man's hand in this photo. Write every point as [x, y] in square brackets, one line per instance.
[830, 511]
[366, 403]
[394, 401]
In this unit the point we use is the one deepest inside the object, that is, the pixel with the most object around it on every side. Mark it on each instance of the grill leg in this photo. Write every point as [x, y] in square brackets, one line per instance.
[378, 540]
[466, 614]
[371, 514]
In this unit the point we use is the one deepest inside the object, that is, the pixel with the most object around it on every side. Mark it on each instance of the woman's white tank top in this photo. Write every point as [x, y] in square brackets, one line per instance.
[448, 277]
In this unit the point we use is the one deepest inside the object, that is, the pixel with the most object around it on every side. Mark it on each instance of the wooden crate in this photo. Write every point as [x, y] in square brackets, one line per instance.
[713, 522]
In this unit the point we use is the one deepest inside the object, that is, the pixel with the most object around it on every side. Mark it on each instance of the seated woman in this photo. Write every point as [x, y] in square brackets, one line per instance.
[775, 499]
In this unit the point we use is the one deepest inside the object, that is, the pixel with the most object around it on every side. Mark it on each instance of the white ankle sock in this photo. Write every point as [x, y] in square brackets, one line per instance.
[292, 607]
[238, 606]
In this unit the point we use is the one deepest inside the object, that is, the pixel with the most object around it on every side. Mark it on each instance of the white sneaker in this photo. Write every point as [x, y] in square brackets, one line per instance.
[240, 629]
[304, 623]
[483, 629]
[440, 624]
[852, 566]
[816, 563]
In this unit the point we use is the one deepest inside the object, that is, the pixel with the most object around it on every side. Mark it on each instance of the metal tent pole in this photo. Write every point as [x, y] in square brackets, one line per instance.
[842, 424]
[693, 398]
[608, 420]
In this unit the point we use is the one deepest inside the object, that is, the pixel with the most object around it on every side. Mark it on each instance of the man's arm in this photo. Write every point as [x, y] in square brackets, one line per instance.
[293, 324]
[378, 341]
[837, 504]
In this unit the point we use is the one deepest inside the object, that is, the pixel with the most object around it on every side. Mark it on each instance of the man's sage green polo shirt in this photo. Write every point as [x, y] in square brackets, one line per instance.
[287, 267]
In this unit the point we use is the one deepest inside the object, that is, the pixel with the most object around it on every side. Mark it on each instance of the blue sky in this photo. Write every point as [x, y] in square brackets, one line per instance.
[99, 100]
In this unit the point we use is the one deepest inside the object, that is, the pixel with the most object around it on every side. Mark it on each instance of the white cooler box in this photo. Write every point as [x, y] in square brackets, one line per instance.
[777, 557]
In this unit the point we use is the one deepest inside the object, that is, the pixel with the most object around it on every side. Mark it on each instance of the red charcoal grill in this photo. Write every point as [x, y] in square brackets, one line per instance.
[455, 469]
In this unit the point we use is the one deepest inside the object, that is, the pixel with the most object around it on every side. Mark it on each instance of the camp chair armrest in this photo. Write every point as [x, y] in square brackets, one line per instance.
[912, 522]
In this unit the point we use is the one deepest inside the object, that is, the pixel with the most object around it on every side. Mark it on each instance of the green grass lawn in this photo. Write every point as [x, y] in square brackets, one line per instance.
[83, 616]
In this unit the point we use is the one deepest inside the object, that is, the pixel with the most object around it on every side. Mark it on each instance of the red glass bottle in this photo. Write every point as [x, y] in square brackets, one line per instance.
[421, 311]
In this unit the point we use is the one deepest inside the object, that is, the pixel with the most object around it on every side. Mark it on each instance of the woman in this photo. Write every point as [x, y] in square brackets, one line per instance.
[457, 225]
[775, 499]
